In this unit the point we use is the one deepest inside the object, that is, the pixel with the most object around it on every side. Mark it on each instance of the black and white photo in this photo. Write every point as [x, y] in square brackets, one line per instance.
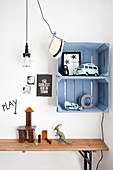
[31, 80]
[27, 89]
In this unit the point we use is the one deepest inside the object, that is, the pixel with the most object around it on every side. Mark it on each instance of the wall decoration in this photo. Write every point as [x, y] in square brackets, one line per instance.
[72, 60]
[30, 80]
[8, 105]
[44, 85]
[27, 89]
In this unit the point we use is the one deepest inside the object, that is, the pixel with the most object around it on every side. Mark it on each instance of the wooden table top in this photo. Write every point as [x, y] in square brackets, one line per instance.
[78, 145]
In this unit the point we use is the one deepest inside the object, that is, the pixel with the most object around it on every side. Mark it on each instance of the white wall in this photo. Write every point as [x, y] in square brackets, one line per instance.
[85, 21]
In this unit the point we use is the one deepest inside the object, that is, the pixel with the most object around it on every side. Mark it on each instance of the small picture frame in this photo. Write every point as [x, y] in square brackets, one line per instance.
[30, 80]
[72, 60]
[44, 85]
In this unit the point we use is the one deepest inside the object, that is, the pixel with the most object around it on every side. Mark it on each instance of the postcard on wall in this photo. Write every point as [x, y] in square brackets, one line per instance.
[27, 89]
[72, 60]
[44, 85]
[31, 80]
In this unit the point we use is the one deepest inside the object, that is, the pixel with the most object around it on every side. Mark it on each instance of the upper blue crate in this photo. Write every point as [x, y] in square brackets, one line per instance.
[96, 52]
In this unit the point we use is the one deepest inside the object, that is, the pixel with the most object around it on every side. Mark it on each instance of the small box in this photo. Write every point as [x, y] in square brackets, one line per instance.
[44, 134]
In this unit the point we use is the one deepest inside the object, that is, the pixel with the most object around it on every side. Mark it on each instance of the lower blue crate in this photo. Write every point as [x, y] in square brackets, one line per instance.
[74, 89]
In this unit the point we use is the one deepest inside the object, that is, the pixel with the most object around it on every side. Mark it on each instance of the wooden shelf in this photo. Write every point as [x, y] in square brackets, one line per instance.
[83, 77]
[78, 145]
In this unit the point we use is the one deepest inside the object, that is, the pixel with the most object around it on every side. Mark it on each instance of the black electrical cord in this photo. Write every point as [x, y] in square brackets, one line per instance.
[26, 21]
[46, 20]
[99, 160]
[102, 126]
[102, 139]
[26, 45]
[43, 17]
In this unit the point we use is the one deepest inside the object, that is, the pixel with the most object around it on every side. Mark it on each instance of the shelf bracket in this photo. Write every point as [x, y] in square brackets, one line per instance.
[87, 159]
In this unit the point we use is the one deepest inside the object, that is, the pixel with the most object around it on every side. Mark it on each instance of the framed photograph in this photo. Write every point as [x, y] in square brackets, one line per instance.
[72, 60]
[44, 85]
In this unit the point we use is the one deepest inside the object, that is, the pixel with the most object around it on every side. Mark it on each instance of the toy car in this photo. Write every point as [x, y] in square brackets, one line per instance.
[72, 105]
[87, 69]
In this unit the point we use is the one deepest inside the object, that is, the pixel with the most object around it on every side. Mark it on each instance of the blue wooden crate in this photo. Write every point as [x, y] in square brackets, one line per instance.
[72, 88]
[76, 88]
[99, 51]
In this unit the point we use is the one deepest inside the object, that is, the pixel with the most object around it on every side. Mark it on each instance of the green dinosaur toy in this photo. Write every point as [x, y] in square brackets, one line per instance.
[61, 135]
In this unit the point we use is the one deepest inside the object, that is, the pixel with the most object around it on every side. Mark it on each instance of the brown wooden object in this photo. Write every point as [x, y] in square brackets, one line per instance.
[78, 145]
[39, 138]
[22, 136]
[44, 134]
[28, 129]
[23, 130]
[31, 135]
[28, 116]
[49, 141]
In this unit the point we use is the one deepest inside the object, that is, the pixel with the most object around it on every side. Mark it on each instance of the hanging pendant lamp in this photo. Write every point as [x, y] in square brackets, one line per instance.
[27, 55]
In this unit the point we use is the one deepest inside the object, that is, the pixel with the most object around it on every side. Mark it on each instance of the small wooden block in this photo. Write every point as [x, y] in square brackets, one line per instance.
[49, 141]
[44, 134]
[22, 136]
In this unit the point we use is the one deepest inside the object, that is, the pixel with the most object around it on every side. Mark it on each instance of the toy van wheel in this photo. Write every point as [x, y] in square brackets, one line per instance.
[87, 74]
[67, 109]
[96, 74]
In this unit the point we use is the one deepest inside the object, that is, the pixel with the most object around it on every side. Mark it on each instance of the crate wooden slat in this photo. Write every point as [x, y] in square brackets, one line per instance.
[78, 145]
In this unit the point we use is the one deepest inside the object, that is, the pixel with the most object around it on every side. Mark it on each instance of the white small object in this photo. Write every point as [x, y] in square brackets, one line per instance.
[35, 143]
[27, 62]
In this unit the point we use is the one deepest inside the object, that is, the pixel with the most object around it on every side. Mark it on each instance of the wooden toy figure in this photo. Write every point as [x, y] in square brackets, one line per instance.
[27, 132]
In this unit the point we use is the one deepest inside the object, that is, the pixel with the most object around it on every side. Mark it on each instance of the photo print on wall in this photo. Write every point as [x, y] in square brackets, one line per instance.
[27, 89]
[30, 80]
[72, 60]
[44, 85]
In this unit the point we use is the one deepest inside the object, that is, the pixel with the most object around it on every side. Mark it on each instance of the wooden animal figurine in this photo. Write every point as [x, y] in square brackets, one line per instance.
[61, 135]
